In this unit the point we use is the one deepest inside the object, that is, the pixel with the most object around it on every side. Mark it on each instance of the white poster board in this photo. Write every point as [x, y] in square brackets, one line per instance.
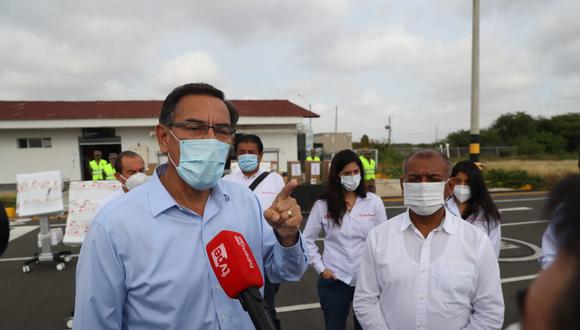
[295, 170]
[39, 193]
[84, 198]
[315, 168]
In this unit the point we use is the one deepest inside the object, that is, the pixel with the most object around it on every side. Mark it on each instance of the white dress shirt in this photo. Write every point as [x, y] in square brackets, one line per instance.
[449, 280]
[492, 229]
[343, 245]
[549, 246]
[266, 191]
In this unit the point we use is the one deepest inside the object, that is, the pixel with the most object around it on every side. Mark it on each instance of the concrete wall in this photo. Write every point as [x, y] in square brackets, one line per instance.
[284, 140]
[141, 140]
[63, 155]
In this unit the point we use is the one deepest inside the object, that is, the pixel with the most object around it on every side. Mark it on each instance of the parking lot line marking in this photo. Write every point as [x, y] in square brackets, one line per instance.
[26, 258]
[396, 207]
[519, 278]
[524, 223]
[16, 232]
[509, 209]
[302, 307]
[295, 308]
[520, 200]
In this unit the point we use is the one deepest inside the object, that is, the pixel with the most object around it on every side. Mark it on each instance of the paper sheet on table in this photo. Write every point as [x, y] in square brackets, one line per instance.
[84, 198]
[39, 193]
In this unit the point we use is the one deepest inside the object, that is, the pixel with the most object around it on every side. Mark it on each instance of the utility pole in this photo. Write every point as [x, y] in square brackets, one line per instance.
[436, 133]
[335, 119]
[474, 132]
[309, 108]
[389, 128]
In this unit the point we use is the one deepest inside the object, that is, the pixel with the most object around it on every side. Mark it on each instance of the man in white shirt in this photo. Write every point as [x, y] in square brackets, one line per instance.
[426, 268]
[249, 150]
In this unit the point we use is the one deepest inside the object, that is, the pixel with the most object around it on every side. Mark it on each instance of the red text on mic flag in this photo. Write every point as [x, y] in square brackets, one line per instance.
[233, 263]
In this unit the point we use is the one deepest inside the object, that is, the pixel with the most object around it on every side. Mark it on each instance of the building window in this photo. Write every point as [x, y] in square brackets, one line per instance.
[34, 143]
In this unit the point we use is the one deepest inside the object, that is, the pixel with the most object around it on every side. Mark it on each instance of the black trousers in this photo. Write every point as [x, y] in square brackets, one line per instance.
[270, 290]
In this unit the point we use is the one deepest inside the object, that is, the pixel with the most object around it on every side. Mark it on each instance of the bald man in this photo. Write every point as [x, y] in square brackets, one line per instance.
[426, 268]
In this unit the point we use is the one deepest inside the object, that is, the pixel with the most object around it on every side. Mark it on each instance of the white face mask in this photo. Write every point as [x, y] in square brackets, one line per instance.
[350, 182]
[462, 193]
[424, 198]
[135, 180]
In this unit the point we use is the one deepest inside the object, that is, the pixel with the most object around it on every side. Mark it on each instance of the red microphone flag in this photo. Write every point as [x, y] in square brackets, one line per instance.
[233, 263]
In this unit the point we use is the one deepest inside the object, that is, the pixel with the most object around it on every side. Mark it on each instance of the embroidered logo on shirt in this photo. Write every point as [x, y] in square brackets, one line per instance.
[367, 215]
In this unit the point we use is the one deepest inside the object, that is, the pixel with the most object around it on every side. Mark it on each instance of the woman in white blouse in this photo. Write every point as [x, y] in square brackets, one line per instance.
[472, 202]
[346, 213]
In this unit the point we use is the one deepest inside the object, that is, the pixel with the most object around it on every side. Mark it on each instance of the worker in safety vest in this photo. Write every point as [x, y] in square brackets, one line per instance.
[97, 165]
[369, 167]
[313, 157]
[109, 168]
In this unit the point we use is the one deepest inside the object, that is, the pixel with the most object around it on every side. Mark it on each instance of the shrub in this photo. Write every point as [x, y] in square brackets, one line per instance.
[517, 179]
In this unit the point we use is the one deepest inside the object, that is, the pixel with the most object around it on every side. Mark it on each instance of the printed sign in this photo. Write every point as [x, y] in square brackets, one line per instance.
[39, 193]
[84, 199]
[314, 169]
[296, 169]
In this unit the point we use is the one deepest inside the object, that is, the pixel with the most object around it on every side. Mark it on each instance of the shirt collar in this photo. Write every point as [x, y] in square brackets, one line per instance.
[160, 200]
[449, 222]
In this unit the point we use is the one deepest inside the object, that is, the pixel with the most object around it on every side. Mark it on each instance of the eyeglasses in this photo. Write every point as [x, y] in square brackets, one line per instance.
[197, 130]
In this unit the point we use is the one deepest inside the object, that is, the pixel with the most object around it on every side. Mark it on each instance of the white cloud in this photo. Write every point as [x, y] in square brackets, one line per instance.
[371, 58]
[195, 66]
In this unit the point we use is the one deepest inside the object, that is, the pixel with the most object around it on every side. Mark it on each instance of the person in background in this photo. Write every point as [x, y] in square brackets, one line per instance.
[109, 168]
[472, 202]
[552, 301]
[97, 166]
[427, 268]
[549, 240]
[129, 171]
[369, 167]
[4, 229]
[266, 185]
[346, 213]
[312, 157]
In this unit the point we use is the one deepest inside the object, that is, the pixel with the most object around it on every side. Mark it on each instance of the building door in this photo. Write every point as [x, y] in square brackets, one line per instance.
[102, 139]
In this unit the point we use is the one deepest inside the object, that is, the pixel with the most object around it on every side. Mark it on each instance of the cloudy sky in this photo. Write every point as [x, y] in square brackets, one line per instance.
[370, 58]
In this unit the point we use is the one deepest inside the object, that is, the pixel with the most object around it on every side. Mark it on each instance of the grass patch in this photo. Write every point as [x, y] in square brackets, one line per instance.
[8, 200]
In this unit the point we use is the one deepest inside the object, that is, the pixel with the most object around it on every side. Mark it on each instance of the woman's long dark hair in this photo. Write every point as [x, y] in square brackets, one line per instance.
[334, 193]
[480, 197]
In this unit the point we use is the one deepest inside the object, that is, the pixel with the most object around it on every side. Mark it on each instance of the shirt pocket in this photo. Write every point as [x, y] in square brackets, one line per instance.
[456, 283]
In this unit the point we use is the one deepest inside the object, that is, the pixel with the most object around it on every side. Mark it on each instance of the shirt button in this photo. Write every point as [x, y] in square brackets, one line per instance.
[423, 271]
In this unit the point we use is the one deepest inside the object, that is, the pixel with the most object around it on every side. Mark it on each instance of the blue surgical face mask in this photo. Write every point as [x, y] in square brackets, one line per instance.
[248, 162]
[201, 161]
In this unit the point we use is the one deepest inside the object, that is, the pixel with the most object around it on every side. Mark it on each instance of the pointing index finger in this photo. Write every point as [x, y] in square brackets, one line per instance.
[287, 190]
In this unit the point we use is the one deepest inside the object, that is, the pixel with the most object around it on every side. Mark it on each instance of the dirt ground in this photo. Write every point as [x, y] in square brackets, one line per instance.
[536, 167]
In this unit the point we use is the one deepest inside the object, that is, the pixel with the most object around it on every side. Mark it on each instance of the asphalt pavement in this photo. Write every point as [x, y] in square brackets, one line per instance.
[44, 297]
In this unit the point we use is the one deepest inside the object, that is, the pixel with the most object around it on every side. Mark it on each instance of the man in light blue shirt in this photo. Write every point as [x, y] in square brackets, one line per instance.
[143, 264]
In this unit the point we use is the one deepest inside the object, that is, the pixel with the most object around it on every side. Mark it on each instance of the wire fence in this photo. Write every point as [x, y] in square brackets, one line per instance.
[460, 152]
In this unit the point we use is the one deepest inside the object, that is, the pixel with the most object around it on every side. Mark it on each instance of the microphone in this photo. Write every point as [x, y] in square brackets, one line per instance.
[239, 275]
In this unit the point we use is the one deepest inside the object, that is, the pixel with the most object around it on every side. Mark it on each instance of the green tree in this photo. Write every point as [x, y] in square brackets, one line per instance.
[515, 126]
[364, 141]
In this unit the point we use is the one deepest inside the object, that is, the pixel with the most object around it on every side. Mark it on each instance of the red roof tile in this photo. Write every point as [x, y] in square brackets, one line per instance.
[37, 110]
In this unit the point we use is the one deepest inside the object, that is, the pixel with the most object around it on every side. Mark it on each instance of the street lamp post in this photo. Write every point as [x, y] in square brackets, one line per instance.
[474, 132]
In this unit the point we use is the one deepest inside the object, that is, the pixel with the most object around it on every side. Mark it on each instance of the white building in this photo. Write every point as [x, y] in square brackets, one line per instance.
[62, 135]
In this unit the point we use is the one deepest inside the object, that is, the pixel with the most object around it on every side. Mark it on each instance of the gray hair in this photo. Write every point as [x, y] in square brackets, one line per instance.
[427, 154]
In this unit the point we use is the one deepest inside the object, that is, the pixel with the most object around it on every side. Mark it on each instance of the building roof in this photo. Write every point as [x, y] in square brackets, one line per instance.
[40, 110]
